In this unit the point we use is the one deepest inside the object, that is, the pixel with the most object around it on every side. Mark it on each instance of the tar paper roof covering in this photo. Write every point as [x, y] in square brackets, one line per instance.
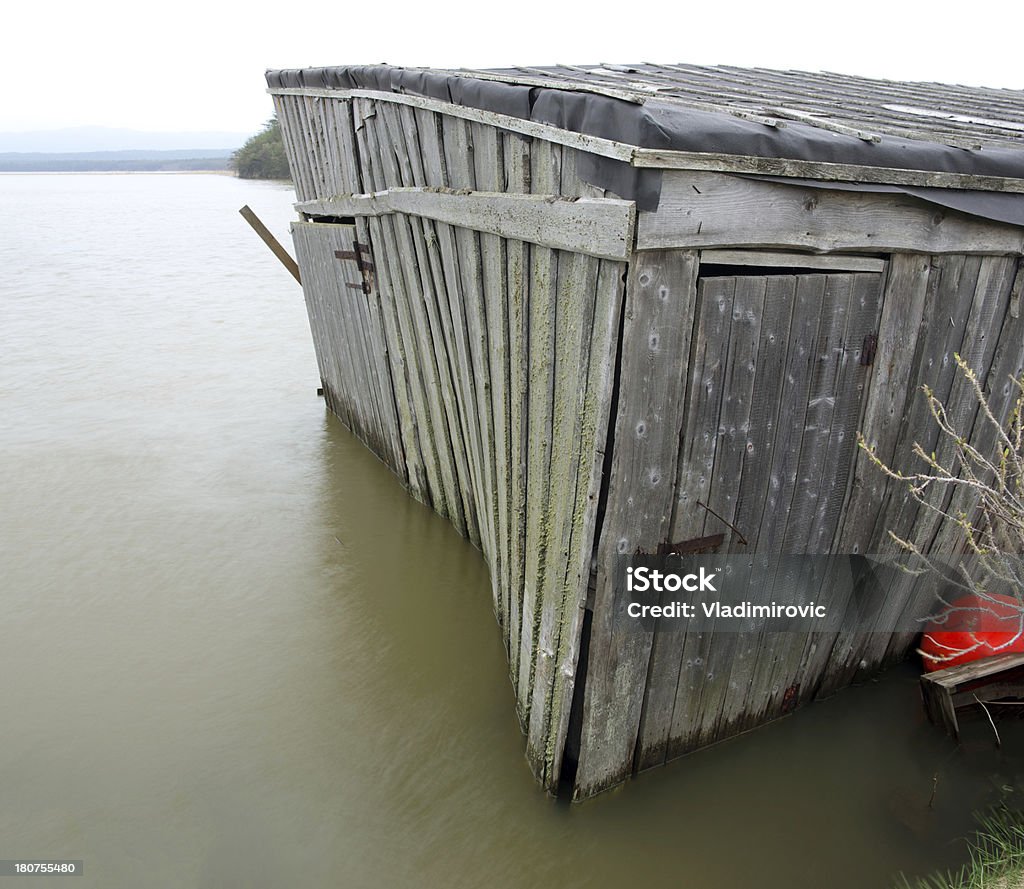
[799, 116]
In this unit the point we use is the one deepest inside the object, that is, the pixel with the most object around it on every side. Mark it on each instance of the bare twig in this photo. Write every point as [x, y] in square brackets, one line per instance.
[999, 741]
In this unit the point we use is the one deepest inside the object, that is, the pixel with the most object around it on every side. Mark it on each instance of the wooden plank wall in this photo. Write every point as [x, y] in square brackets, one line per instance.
[773, 394]
[499, 355]
[480, 368]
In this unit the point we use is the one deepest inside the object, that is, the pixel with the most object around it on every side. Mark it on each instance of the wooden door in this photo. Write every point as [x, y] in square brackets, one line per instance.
[348, 334]
[778, 369]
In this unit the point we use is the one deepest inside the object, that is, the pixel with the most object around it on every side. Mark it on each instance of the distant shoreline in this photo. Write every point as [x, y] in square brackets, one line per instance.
[211, 165]
[131, 160]
[223, 172]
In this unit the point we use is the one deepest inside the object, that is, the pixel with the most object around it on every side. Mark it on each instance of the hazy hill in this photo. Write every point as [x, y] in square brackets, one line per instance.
[91, 139]
[115, 161]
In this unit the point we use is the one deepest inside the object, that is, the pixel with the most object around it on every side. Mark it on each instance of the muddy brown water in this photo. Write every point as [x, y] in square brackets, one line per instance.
[234, 652]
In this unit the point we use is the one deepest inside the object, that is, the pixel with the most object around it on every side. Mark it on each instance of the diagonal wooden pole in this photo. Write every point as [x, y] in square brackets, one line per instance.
[271, 242]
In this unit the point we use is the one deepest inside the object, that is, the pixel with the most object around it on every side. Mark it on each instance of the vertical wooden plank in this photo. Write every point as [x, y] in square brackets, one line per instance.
[730, 660]
[699, 652]
[731, 432]
[380, 351]
[290, 149]
[741, 351]
[458, 154]
[323, 288]
[661, 293]
[594, 412]
[296, 139]
[890, 386]
[401, 371]
[944, 319]
[404, 128]
[989, 305]
[310, 144]
[452, 301]
[489, 176]
[541, 382]
[516, 155]
[827, 359]
[851, 381]
[427, 154]
[795, 395]
[415, 317]
[705, 383]
[574, 308]
[673, 649]
[947, 315]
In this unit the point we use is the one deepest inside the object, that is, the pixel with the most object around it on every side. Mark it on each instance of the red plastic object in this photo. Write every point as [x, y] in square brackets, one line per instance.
[973, 628]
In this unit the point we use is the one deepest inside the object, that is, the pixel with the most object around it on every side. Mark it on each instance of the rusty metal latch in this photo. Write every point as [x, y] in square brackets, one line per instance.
[356, 255]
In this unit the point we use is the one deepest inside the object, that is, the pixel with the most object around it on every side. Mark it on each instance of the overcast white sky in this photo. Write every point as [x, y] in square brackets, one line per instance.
[191, 65]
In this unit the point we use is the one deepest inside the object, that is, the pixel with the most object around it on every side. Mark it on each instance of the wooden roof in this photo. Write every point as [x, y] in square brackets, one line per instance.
[959, 116]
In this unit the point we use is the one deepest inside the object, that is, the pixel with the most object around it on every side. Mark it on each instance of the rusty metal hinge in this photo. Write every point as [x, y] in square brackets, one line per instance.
[365, 267]
[868, 349]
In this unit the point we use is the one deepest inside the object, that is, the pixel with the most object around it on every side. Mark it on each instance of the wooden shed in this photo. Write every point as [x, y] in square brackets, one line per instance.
[587, 312]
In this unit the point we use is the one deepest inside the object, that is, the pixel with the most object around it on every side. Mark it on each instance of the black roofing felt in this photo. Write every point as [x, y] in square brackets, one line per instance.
[720, 110]
[665, 114]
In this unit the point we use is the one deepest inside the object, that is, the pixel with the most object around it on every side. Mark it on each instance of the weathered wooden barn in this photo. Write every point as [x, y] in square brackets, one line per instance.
[585, 312]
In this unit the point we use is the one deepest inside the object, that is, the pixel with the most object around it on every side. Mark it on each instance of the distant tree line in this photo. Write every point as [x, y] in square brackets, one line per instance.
[262, 156]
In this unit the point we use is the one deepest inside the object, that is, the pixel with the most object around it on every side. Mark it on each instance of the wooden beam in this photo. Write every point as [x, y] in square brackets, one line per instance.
[271, 242]
[713, 210]
[593, 144]
[593, 226]
[780, 166]
[769, 259]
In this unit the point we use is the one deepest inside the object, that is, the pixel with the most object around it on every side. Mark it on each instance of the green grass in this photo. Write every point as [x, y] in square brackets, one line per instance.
[997, 857]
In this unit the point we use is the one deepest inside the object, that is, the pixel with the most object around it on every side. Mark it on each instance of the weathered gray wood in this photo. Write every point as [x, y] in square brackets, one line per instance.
[661, 291]
[299, 158]
[481, 366]
[404, 289]
[461, 174]
[453, 311]
[686, 160]
[544, 160]
[313, 143]
[601, 227]
[275, 246]
[768, 259]
[516, 155]
[890, 385]
[989, 303]
[711, 210]
[734, 416]
[401, 372]
[423, 328]
[439, 242]
[489, 175]
[753, 494]
[379, 347]
[697, 161]
[793, 398]
[574, 308]
[555, 135]
[851, 380]
[814, 465]
[349, 376]
[993, 678]
[594, 415]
